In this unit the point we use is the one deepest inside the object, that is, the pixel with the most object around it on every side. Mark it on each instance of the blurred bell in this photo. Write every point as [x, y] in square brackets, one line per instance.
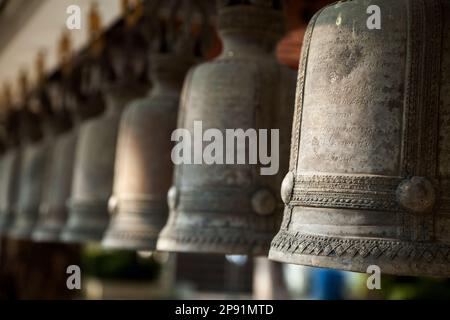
[96, 146]
[52, 210]
[144, 167]
[34, 163]
[232, 208]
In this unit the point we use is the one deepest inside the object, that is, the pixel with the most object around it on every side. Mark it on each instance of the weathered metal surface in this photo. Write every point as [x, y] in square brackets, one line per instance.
[232, 208]
[369, 174]
[143, 172]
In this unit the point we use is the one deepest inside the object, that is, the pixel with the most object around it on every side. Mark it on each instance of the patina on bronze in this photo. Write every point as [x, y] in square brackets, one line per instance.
[96, 145]
[232, 209]
[369, 178]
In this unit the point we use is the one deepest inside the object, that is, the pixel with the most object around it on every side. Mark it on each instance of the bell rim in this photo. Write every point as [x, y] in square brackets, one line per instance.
[21, 229]
[75, 234]
[46, 235]
[167, 245]
[213, 242]
[336, 264]
[417, 265]
[78, 238]
[129, 244]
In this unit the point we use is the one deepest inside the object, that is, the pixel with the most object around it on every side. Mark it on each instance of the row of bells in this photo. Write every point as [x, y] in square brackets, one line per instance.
[368, 182]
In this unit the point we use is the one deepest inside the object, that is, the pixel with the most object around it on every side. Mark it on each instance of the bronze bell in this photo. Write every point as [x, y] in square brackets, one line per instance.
[52, 210]
[143, 173]
[144, 168]
[232, 208]
[369, 179]
[34, 163]
[96, 147]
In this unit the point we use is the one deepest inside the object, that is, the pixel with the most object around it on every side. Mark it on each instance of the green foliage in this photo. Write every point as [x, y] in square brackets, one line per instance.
[401, 288]
[119, 265]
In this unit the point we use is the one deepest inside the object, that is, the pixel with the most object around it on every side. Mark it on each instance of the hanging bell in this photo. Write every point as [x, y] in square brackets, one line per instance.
[220, 206]
[52, 210]
[143, 167]
[33, 166]
[369, 178]
[9, 165]
[143, 173]
[96, 149]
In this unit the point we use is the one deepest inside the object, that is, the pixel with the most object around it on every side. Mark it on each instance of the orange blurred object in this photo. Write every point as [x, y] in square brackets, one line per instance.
[289, 48]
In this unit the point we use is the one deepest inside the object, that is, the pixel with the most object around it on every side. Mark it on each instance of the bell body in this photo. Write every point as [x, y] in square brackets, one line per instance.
[370, 176]
[94, 170]
[143, 172]
[53, 210]
[232, 208]
[9, 168]
[33, 168]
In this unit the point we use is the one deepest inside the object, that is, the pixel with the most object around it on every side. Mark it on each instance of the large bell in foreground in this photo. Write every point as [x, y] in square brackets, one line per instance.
[144, 168]
[369, 182]
[233, 208]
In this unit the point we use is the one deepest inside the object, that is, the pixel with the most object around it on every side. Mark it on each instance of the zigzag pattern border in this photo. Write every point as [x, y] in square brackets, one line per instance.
[357, 248]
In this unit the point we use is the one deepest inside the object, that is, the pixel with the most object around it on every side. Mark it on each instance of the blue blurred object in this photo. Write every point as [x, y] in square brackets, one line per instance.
[327, 284]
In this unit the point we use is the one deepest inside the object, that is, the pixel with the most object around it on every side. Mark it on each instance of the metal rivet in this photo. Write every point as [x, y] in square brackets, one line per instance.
[417, 195]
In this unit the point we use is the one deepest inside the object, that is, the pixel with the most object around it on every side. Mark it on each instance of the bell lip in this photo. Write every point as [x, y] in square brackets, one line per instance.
[401, 267]
[168, 244]
[76, 228]
[48, 230]
[75, 234]
[337, 264]
[46, 235]
[114, 243]
[135, 227]
[78, 236]
[204, 239]
[22, 232]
